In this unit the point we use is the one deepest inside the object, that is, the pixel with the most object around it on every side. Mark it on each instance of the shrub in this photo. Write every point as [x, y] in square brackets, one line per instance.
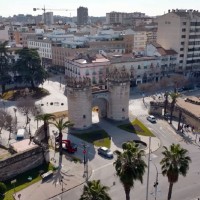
[3, 188]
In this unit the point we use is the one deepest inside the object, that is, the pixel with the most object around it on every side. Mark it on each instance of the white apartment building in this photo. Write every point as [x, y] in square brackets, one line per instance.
[120, 17]
[168, 58]
[180, 30]
[142, 70]
[44, 48]
[85, 66]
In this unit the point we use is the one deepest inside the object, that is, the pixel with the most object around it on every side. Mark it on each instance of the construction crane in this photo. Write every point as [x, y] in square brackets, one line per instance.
[45, 9]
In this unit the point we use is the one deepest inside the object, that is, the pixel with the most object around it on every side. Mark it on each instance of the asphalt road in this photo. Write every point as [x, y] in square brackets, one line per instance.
[187, 188]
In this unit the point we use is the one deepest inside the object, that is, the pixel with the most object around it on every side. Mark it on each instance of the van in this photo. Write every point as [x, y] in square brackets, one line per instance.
[20, 134]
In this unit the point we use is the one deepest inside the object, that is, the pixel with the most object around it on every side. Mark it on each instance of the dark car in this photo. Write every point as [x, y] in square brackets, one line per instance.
[104, 151]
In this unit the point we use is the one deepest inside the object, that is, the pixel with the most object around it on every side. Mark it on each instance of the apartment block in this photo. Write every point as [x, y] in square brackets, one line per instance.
[82, 15]
[180, 30]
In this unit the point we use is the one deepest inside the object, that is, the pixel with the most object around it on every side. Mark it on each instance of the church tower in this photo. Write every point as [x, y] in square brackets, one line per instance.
[79, 95]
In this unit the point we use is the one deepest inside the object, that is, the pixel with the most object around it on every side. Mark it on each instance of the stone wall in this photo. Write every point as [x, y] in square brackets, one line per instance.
[189, 118]
[21, 162]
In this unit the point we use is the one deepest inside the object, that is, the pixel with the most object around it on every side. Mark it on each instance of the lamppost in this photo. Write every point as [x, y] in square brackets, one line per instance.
[55, 133]
[85, 160]
[15, 110]
[156, 182]
[60, 81]
[147, 189]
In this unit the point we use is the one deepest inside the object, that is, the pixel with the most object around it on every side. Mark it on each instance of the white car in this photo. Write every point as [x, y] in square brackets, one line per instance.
[104, 151]
[151, 118]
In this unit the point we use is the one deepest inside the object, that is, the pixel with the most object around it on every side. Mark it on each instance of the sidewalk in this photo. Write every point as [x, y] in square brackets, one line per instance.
[73, 176]
[187, 135]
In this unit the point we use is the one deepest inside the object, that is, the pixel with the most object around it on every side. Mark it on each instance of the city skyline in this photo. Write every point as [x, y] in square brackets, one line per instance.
[151, 8]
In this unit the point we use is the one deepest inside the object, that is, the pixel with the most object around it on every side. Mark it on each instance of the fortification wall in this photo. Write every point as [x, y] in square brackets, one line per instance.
[20, 162]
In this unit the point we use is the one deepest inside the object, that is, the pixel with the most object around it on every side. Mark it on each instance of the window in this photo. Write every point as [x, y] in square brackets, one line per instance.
[181, 55]
[183, 29]
[181, 49]
[183, 36]
[145, 67]
[182, 43]
[180, 61]
[139, 67]
[184, 23]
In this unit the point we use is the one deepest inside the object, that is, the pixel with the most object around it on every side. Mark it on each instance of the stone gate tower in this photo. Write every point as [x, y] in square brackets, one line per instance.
[81, 99]
[119, 90]
[79, 96]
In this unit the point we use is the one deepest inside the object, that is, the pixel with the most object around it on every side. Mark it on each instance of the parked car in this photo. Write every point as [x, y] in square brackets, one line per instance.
[167, 116]
[151, 118]
[69, 146]
[104, 151]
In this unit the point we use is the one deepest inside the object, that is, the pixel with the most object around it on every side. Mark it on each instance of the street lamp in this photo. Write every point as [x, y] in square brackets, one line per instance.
[156, 182]
[85, 159]
[55, 133]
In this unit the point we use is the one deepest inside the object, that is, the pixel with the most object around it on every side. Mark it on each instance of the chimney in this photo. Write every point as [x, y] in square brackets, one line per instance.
[169, 11]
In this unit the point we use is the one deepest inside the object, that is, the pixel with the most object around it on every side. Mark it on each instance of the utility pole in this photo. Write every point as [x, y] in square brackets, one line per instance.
[156, 182]
[147, 190]
[85, 160]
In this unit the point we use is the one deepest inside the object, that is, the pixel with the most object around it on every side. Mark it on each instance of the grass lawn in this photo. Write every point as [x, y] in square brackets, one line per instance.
[137, 127]
[14, 94]
[98, 138]
[23, 182]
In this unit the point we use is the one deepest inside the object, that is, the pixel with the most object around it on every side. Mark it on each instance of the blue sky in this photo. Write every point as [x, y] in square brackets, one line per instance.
[95, 7]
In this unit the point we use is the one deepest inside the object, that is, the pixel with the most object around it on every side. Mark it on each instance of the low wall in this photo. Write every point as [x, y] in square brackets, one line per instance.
[189, 118]
[21, 162]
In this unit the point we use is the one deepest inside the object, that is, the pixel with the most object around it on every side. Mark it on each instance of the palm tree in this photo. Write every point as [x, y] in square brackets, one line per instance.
[61, 125]
[175, 162]
[45, 118]
[130, 166]
[174, 97]
[94, 190]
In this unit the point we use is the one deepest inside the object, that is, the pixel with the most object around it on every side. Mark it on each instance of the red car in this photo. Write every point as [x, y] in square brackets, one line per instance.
[69, 146]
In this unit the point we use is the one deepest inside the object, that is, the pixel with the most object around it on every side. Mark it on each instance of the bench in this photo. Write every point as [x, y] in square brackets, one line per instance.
[47, 175]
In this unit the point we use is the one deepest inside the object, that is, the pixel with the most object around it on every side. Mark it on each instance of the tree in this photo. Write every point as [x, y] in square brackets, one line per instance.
[174, 97]
[61, 125]
[29, 67]
[5, 121]
[94, 190]
[130, 166]
[26, 106]
[178, 81]
[175, 163]
[45, 118]
[4, 65]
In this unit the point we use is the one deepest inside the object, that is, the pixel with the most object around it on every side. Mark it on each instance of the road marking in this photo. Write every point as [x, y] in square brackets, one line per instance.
[94, 170]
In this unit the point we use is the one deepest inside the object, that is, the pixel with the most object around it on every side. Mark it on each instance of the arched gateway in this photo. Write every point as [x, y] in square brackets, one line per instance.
[112, 102]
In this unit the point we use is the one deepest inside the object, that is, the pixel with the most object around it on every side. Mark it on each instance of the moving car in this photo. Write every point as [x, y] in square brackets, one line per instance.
[104, 151]
[151, 118]
[69, 146]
